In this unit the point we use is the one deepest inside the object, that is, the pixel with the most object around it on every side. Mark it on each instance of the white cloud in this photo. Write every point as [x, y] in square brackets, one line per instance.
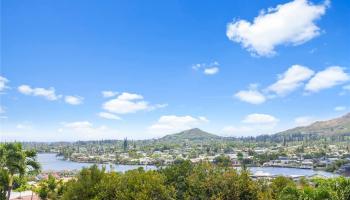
[203, 119]
[108, 94]
[291, 80]
[257, 118]
[295, 77]
[129, 103]
[173, 123]
[303, 120]
[211, 71]
[340, 108]
[129, 96]
[126, 103]
[197, 66]
[327, 78]
[252, 96]
[290, 23]
[49, 93]
[207, 69]
[108, 116]
[73, 100]
[3, 82]
[25, 89]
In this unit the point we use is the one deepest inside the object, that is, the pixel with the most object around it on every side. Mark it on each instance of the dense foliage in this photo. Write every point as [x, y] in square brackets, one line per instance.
[15, 165]
[50, 188]
[202, 181]
[181, 180]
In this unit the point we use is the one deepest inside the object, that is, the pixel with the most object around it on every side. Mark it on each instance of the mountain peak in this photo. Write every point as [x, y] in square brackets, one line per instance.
[193, 130]
[191, 134]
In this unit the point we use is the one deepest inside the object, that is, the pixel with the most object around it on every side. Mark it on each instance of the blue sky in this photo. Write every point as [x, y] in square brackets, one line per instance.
[233, 68]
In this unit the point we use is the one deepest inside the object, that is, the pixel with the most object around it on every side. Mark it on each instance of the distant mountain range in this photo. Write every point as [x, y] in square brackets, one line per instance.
[337, 126]
[333, 127]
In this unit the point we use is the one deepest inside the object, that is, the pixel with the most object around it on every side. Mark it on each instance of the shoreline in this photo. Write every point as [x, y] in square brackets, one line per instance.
[125, 167]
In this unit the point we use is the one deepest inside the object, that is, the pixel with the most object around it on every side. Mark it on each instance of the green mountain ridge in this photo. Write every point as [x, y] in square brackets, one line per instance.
[337, 126]
[332, 127]
[191, 134]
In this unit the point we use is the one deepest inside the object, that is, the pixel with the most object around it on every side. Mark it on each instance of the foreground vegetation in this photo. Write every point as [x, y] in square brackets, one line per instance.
[16, 165]
[184, 180]
[181, 180]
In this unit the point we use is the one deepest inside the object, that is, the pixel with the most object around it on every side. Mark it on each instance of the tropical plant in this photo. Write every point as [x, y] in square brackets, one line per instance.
[50, 188]
[16, 163]
[85, 185]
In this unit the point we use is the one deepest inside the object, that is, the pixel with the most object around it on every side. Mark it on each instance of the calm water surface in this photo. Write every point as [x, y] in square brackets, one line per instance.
[289, 171]
[49, 162]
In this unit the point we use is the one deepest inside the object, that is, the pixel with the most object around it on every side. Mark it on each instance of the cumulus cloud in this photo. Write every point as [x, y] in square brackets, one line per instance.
[73, 100]
[129, 103]
[3, 82]
[303, 120]
[173, 123]
[48, 94]
[291, 80]
[126, 103]
[328, 78]
[252, 95]
[257, 118]
[109, 93]
[106, 115]
[289, 23]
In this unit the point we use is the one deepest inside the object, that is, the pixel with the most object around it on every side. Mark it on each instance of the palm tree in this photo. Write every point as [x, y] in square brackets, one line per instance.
[17, 162]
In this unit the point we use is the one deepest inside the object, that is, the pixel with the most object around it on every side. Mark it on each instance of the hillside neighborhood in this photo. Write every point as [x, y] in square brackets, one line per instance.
[293, 148]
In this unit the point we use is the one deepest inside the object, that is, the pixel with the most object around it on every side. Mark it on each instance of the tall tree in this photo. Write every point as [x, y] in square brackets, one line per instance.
[16, 162]
[125, 145]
